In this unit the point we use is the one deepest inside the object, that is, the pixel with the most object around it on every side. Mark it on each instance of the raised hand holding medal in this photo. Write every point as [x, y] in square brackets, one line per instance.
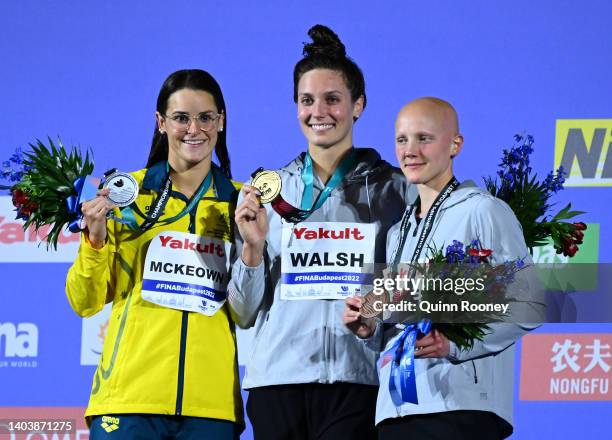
[252, 222]
[118, 190]
[123, 188]
[269, 184]
[50, 185]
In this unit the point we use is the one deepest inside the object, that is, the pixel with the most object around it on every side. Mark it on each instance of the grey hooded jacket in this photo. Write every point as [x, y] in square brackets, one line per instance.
[306, 341]
[481, 378]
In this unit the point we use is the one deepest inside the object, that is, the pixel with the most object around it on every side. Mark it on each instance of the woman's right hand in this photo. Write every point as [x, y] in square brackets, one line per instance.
[252, 221]
[94, 212]
[360, 326]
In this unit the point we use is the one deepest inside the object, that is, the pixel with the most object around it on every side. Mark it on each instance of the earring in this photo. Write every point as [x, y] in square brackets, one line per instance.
[161, 131]
[220, 129]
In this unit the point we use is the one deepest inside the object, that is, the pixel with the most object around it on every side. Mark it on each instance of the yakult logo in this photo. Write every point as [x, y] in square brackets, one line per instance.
[189, 245]
[566, 367]
[29, 246]
[332, 234]
[11, 231]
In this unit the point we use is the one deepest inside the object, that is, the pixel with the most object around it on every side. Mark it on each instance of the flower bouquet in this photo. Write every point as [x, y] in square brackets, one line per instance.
[460, 292]
[46, 184]
[529, 199]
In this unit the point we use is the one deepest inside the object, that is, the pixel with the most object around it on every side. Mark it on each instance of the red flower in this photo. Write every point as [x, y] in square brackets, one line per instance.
[570, 251]
[577, 237]
[25, 207]
[579, 226]
[482, 254]
[19, 198]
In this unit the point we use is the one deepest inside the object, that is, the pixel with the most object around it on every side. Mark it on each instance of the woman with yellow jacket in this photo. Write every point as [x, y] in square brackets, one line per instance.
[168, 368]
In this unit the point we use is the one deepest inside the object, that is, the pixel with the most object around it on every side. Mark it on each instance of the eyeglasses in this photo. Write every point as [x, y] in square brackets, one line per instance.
[182, 121]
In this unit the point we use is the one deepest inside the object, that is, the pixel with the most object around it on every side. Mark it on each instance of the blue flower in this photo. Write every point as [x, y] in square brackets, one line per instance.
[17, 156]
[553, 183]
[455, 252]
[14, 168]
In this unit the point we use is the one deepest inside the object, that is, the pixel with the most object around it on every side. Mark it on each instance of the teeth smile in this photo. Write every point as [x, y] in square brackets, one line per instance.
[322, 126]
[193, 142]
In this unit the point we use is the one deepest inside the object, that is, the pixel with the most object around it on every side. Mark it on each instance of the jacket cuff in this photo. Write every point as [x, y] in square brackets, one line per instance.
[454, 352]
[374, 341]
[248, 270]
[91, 254]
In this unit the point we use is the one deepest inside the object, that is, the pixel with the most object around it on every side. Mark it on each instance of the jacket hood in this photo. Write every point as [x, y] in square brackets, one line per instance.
[369, 164]
[465, 191]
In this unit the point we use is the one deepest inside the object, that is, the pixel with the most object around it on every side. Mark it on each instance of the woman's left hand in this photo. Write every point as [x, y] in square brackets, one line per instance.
[433, 345]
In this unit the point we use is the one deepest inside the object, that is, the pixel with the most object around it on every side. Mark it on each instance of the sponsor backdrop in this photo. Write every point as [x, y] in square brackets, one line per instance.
[90, 73]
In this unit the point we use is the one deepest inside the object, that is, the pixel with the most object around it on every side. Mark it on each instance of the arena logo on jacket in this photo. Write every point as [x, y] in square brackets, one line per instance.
[93, 333]
[583, 147]
[566, 366]
[19, 246]
[18, 345]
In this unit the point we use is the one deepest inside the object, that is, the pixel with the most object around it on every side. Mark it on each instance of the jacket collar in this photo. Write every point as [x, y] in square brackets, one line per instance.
[368, 164]
[156, 176]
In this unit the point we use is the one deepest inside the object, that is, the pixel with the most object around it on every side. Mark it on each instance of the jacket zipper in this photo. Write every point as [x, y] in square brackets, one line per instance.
[183, 347]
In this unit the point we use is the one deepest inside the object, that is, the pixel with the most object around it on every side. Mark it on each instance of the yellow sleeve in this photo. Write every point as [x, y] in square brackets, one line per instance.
[90, 282]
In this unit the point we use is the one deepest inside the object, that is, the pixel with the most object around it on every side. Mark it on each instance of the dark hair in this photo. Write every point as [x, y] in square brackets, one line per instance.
[327, 52]
[194, 79]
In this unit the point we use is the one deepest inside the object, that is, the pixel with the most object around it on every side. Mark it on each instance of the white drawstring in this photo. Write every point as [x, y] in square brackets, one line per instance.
[368, 197]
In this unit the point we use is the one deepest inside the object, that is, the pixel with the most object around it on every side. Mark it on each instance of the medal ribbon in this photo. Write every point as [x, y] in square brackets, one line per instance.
[158, 206]
[451, 186]
[402, 381]
[308, 178]
[294, 215]
[72, 203]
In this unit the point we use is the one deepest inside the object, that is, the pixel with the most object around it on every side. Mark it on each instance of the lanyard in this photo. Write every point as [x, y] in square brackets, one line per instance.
[427, 226]
[157, 208]
[308, 178]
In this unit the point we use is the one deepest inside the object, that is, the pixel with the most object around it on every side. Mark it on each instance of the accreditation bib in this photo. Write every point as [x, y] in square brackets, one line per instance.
[324, 260]
[186, 272]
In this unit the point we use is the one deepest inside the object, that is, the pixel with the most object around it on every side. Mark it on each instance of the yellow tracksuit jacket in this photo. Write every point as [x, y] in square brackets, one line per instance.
[158, 360]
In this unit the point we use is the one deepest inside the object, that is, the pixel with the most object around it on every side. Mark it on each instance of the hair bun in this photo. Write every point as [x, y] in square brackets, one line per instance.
[324, 42]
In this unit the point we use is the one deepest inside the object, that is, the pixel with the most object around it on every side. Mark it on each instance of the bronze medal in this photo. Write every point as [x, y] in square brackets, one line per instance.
[369, 300]
[268, 183]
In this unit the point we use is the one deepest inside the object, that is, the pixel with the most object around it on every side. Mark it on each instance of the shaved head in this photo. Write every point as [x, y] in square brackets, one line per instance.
[438, 108]
[427, 139]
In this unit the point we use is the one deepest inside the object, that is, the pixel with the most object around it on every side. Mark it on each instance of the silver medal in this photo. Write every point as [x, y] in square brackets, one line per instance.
[123, 188]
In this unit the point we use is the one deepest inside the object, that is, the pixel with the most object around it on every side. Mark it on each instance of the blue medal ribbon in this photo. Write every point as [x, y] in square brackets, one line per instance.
[308, 178]
[84, 191]
[129, 219]
[402, 380]
[87, 191]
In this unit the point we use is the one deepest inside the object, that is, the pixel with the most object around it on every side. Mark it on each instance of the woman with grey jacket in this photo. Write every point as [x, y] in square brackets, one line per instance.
[308, 377]
[462, 394]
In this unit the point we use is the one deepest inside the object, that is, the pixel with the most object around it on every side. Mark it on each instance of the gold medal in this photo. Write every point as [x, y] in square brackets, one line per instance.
[268, 183]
